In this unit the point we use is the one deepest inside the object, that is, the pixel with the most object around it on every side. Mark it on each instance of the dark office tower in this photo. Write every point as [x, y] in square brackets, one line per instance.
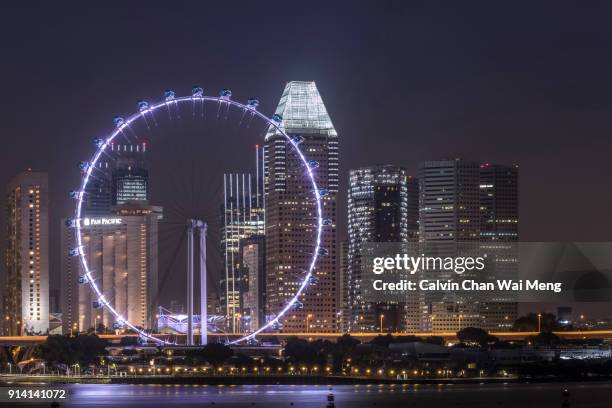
[449, 225]
[412, 185]
[499, 221]
[498, 202]
[130, 176]
[98, 198]
[378, 212]
[241, 219]
[291, 211]
[253, 291]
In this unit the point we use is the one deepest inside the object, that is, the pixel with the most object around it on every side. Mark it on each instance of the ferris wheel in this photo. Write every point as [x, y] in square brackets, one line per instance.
[175, 108]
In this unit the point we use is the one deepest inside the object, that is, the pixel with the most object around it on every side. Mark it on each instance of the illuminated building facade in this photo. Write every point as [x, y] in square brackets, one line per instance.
[290, 210]
[27, 255]
[130, 176]
[465, 205]
[242, 218]
[122, 252]
[449, 217]
[378, 211]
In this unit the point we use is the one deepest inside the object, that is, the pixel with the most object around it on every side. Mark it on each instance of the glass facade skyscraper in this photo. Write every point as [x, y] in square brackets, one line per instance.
[98, 199]
[381, 208]
[130, 177]
[242, 218]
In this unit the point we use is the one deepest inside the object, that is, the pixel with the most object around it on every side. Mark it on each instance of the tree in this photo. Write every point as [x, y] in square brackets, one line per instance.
[212, 353]
[545, 339]
[82, 349]
[89, 348]
[57, 350]
[299, 351]
[240, 360]
[548, 322]
[474, 335]
[383, 341]
[346, 343]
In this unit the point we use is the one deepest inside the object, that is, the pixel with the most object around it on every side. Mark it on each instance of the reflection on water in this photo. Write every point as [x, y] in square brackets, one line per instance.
[583, 395]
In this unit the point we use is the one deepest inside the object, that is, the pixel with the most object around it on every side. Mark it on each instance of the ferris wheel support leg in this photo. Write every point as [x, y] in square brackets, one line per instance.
[190, 227]
[203, 291]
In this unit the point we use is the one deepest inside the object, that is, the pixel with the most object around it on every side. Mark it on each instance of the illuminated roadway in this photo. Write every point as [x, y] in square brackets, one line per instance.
[30, 340]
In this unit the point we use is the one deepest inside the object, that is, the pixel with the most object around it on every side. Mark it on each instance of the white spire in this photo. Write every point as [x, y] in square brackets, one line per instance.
[302, 110]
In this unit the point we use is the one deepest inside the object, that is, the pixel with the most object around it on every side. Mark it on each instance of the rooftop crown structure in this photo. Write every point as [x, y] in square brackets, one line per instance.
[302, 110]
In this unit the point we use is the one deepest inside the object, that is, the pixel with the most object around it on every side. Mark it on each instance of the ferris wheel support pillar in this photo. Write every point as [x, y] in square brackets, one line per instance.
[203, 292]
[190, 227]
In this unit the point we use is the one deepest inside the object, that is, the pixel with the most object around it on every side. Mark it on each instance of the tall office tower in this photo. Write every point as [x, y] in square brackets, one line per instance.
[448, 222]
[343, 286]
[242, 218]
[27, 255]
[130, 176]
[122, 252]
[378, 212]
[449, 201]
[98, 198]
[499, 223]
[253, 264]
[499, 202]
[291, 211]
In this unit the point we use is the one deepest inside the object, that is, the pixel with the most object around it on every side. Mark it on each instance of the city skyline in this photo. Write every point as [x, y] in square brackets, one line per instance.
[494, 186]
[277, 203]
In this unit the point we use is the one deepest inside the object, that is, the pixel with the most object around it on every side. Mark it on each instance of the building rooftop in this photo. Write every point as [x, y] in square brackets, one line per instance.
[302, 110]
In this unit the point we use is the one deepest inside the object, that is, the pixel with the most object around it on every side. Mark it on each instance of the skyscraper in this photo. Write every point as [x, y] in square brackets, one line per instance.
[343, 293]
[378, 211]
[98, 198]
[449, 201]
[449, 220]
[498, 202]
[291, 210]
[122, 252]
[27, 255]
[499, 226]
[120, 239]
[242, 218]
[130, 176]
[465, 205]
[253, 265]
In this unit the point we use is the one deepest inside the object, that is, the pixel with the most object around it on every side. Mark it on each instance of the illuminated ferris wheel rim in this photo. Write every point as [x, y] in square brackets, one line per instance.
[148, 109]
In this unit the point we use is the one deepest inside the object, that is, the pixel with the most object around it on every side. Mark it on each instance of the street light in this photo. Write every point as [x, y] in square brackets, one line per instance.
[96, 317]
[382, 316]
[539, 322]
[460, 317]
[308, 317]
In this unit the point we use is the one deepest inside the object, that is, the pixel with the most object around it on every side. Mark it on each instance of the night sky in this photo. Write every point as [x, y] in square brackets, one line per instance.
[528, 83]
